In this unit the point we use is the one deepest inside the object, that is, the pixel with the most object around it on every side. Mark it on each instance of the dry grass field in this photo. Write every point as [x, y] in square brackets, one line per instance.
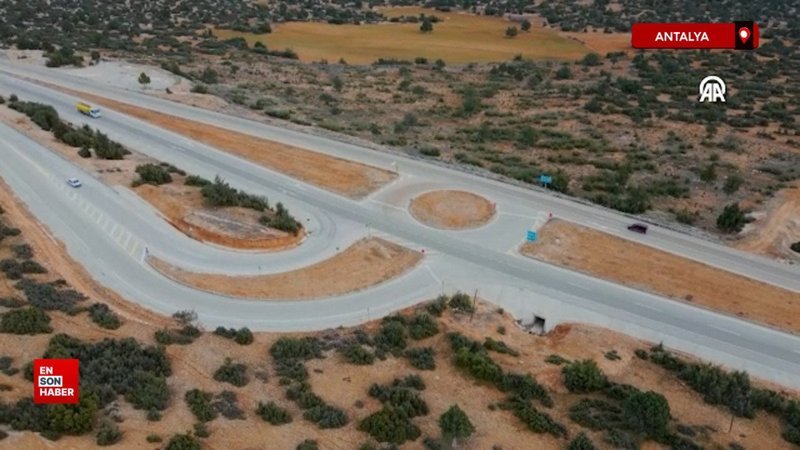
[459, 39]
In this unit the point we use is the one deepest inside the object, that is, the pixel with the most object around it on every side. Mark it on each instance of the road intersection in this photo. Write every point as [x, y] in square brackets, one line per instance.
[107, 229]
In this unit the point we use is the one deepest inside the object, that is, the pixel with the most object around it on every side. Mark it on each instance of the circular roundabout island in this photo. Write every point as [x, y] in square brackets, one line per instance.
[452, 210]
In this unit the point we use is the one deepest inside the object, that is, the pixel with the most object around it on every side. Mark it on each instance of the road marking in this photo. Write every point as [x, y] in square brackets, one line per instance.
[649, 306]
[127, 241]
[724, 330]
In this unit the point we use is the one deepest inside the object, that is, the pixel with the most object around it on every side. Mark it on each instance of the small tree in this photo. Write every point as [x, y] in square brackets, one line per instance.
[144, 80]
[525, 25]
[511, 32]
[732, 219]
[455, 424]
[646, 412]
[583, 376]
[581, 442]
[427, 25]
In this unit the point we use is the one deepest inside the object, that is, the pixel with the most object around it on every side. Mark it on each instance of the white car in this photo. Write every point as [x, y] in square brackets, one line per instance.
[74, 182]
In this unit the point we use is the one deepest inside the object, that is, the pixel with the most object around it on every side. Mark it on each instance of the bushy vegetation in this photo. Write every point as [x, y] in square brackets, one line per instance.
[281, 220]
[108, 433]
[731, 219]
[50, 295]
[274, 414]
[583, 376]
[401, 403]
[183, 441]
[422, 326]
[461, 302]
[154, 174]
[455, 424]
[199, 402]
[233, 373]
[422, 358]
[220, 193]
[242, 336]
[108, 368]
[47, 118]
[102, 315]
[30, 320]
[355, 353]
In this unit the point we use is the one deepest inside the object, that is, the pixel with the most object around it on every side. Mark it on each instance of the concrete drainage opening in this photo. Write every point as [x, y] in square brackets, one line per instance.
[535, 327]
[538, 325]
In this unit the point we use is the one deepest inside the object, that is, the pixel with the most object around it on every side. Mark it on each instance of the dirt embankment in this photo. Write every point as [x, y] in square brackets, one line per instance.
[181, 205]
[777, 228]
[183, 208]
[344, 177]
[452, 210]
[364, 264]
[663, 273]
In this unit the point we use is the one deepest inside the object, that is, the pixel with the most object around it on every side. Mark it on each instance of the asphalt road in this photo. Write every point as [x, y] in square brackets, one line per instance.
[105, 229]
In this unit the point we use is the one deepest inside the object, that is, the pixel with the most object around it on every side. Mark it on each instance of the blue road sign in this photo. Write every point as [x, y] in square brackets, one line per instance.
[531, 236]
[545, 179]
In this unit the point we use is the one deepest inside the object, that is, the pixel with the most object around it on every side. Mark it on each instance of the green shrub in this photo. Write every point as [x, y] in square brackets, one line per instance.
[286, 348]
[646, 413]
[438, 306]
[103, 316]
[242, 336]
[536, 421]
[326, 416]
[356, 354]
[221, 194]
[390, 425]
[478, 364]
[422, 358]
[183, 442]
[30, 320]
[583, 376]
[272, 413]
[422, 326]
[555, 360]
[308, 444]
[391, 337]
[233, 373]
[455, 424]
[461, 302]
[154, 174]
[731, 219]
[50, 296]
[199, 402]
[499, 347]
[108, 433]
[194, 180]
[153, 438]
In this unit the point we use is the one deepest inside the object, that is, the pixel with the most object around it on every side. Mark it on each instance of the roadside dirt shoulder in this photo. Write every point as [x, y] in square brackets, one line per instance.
[663, 273]
[364, 264]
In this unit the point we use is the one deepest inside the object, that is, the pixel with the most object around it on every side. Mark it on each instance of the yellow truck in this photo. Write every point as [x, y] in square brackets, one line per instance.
[89, 110]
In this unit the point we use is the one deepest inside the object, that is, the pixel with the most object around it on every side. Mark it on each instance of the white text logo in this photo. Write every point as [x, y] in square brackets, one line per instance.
[712, 89]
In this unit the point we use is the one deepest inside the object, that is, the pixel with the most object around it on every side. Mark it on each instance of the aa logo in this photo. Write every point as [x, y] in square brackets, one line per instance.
[712, 89]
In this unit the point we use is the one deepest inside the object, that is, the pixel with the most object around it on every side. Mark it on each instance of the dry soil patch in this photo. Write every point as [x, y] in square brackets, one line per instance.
[663, 273]
[773, 234]
[364, 264]
[183, 207]
[452, 210]
[344, 177]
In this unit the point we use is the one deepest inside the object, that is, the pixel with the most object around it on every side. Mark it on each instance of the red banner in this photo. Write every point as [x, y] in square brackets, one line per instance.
[736, 35]
[55, 381]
